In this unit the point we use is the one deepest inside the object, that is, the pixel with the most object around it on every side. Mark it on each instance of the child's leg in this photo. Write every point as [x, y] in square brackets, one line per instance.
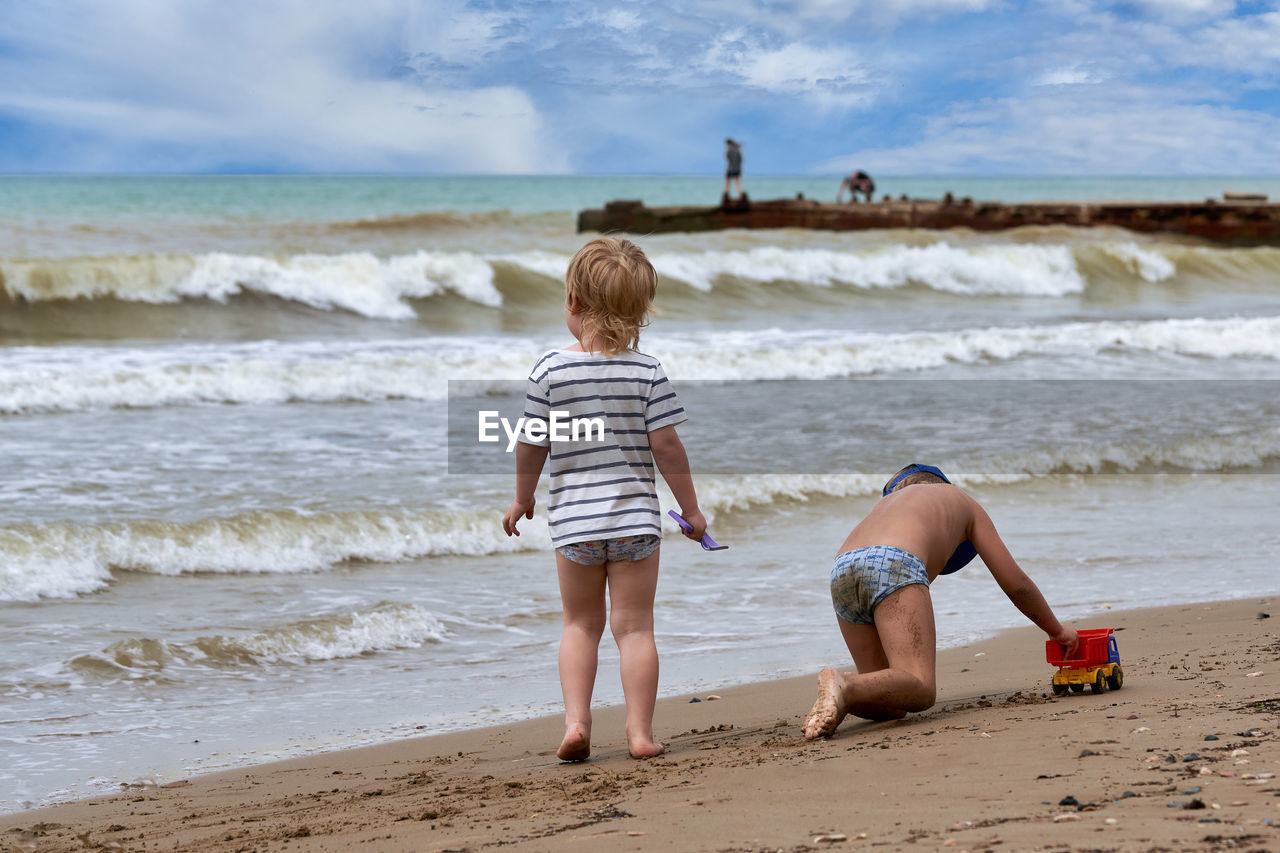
[582, 598]
[896, 665]
[632, 586]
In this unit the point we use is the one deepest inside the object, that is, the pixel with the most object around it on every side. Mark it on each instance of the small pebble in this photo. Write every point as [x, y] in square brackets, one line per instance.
[694, 699]
[1225, 773]
[1209, 820]
[1111, 821]
[1087, 752]
[1253, 675]
[1175, 804]
[1190, 757]
[1139, 730]
[1197, 803]
[1132, 717]
[964, 669]
[830, 838]
[1171, 759]
[1264, 615]
[1127, 794]
[1068, 816]
[1068, 801]
[1236, 753]
[1210, 737]
[1197, 789]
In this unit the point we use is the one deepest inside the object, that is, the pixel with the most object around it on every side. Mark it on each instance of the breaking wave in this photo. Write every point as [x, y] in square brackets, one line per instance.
[64, 560]
[382, 627]
[385, 287]
[37, 379]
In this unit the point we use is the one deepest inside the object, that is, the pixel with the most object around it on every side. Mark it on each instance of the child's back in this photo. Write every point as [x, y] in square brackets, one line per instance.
[603, 514]
[603, 482]
[921, 528]
[928, 520]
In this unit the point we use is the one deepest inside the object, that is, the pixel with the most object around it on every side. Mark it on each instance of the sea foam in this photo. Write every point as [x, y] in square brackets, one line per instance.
[36, 379]
[385, 287]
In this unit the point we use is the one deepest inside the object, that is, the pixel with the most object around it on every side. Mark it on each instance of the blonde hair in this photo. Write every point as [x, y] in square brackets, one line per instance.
[614, 284]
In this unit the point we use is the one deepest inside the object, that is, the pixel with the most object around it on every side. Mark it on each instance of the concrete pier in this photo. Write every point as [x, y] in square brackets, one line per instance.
[1245, 222]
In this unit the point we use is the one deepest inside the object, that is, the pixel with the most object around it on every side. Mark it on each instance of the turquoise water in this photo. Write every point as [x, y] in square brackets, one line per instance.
[308, 198]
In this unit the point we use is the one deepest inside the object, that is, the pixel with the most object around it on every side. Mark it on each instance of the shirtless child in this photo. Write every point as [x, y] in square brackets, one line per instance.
[922, 527]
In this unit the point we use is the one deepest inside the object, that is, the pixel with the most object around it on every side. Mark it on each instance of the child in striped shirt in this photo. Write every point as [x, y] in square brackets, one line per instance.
[603, 513]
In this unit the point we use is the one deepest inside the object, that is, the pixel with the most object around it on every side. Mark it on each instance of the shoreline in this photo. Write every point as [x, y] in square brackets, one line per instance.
[988, 765]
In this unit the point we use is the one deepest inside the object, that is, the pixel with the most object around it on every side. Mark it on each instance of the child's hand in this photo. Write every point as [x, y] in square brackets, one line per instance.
[518, 508]
[1069, 640]
[696, 521]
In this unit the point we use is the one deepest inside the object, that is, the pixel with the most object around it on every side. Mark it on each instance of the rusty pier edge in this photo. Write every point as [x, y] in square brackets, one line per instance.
[1241, 223]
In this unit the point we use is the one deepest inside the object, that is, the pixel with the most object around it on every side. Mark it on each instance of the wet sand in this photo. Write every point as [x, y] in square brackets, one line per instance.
[1183, 757]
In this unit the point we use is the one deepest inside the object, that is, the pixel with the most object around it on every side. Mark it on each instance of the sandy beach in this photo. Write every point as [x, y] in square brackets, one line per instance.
[1183, 757]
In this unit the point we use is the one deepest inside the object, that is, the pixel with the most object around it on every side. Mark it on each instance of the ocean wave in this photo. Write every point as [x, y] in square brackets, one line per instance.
[386, 287]
[1018, 270]
[69, 379]
[345, 635]
[831, 355]
[359, 282]
[64, 559]
[452, 219]
[1231, 452]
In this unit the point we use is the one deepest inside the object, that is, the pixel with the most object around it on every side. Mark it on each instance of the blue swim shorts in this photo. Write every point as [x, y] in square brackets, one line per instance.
[862, 578]
[598, 551]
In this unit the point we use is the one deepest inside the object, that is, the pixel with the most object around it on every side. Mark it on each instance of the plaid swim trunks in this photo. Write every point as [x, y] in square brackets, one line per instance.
[598, 551]
[863, 577]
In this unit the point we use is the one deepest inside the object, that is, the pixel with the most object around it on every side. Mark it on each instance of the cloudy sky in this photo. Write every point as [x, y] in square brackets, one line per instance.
[560, 86]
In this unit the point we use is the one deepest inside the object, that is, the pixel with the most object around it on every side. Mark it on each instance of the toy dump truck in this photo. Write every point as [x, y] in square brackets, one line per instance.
[1096, 664]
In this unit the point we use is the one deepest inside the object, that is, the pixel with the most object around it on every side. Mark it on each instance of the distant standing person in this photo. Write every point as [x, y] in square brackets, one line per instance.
[858, 182]
[733, 168]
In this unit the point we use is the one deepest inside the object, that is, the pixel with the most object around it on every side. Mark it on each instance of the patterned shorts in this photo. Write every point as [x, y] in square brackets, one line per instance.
[864, 577]
[599, 551]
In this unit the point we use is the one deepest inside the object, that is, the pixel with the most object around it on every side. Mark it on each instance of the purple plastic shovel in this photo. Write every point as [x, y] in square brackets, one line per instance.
[708, 544]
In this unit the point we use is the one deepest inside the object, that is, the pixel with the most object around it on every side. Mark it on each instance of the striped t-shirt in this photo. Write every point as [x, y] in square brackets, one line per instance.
[601, 489]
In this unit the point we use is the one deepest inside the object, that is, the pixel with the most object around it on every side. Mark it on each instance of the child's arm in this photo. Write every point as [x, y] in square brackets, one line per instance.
[529, 461]
[673, 462]
[1022, 591]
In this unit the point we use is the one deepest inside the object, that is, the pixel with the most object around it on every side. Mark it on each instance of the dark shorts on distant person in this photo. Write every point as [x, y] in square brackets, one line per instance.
[733, 173]
[864, 577]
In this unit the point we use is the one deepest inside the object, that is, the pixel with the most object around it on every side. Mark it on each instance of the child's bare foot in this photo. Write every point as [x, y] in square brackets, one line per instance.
[828, 711]
[645, 747]
[576, 745]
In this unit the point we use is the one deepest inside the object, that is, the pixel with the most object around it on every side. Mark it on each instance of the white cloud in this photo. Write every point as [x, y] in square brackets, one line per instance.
[1132, 133]
[793, 17]
[1185, 8]
[288, 84]
[829, 77]
[1069, 76]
